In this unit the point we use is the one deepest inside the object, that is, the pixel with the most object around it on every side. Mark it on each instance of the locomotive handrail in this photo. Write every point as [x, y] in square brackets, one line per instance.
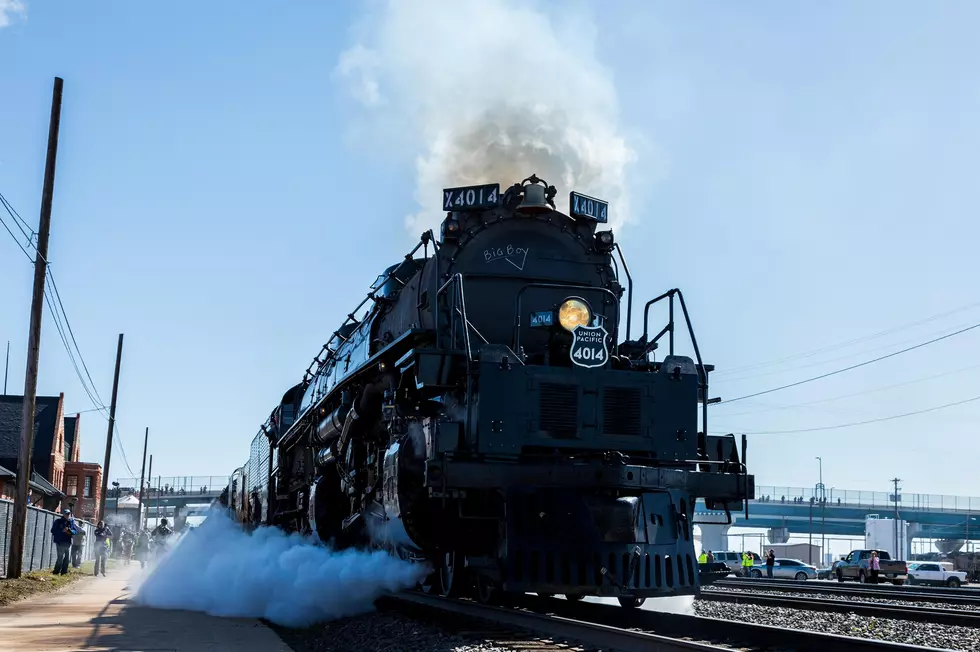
[457, 282]
[629, 292]
[424, 241]
[569, 286]
[702, 372]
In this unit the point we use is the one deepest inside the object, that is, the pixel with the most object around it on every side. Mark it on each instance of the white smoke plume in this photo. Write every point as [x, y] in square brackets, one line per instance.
[495, 90]
[220, 569]
[8, 8]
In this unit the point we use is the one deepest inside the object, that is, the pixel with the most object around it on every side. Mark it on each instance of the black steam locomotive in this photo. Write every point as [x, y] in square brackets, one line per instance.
[483, 417]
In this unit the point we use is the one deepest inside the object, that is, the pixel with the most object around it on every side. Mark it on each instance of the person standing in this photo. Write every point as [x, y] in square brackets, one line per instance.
[874, 565]
[103, 534]
[142, 547]
[77, 547]
[62, 532]
[770, 562]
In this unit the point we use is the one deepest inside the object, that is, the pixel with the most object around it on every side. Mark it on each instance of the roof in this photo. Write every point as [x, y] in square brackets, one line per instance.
[38, 483]
[45, 418]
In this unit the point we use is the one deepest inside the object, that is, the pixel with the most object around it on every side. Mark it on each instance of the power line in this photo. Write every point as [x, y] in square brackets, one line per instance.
[770, 408]
[858, 340]
[16, 241]
[70, 332]
[61, 322]
[846, 356]
[20, 221]
[854, 366]
[863, 423]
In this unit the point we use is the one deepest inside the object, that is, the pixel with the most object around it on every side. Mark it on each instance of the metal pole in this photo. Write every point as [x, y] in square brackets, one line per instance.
[6, 369]
[810, 549]
[139, 511]
[149, 480]
[108, 437]
[823, 515]
[19, 525]
[895, 498]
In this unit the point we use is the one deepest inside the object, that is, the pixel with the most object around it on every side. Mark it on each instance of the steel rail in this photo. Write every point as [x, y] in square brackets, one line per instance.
[577, 631]
[855, 590]
[615, 628]
[884, 585]
[875, 610]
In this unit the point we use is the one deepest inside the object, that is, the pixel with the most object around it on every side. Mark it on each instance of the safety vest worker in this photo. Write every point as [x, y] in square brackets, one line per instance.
[749, 561]
[703, 558]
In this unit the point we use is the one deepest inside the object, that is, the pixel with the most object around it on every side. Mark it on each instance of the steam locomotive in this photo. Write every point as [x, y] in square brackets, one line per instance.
[482, 417]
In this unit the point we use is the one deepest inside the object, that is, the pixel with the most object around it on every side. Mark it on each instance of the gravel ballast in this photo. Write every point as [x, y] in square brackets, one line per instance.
[386, 631]
[885, 629]
[847, 598]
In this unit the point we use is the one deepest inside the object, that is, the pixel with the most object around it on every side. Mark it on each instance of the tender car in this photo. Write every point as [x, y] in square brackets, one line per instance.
[936, 574]
[791, 569]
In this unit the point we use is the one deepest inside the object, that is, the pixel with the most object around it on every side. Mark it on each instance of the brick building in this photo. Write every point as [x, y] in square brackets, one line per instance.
[83, 488]
[48, 458]
[56, 466]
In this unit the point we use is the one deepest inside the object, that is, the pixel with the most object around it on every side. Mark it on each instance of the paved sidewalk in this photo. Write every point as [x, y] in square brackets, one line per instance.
[95, 614]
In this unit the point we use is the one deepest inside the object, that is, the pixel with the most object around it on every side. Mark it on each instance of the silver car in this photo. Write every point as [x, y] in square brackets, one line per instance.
[790, 569]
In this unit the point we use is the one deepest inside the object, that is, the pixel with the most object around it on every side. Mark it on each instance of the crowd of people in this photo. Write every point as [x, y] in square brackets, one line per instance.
[126, 543]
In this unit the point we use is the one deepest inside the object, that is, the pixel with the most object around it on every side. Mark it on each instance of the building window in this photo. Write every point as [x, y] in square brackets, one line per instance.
[88, 487]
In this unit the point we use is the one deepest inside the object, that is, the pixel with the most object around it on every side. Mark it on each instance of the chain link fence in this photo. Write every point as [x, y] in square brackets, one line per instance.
[39, 549]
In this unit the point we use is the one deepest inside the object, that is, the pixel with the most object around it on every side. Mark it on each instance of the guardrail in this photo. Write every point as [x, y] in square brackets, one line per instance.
[39, 550]
[171, 485]
[871, 499]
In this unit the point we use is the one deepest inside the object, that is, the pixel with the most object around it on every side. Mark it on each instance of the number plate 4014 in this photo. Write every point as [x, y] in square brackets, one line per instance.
[470, 198]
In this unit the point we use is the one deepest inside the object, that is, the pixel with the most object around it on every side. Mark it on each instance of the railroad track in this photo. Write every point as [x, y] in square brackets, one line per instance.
[970, 590]
[790, 586]
[605, 627]
[916, 614]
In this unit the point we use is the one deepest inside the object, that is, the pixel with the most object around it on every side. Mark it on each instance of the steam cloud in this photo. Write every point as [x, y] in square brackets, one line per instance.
[8, 8]
[220, 569]
[496, 90]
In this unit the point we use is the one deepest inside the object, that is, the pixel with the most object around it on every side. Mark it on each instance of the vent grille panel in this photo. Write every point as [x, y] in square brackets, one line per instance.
[621, 411]
[558, 408]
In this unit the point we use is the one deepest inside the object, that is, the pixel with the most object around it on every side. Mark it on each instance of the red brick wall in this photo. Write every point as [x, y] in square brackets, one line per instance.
[56, 471]
[85, 507]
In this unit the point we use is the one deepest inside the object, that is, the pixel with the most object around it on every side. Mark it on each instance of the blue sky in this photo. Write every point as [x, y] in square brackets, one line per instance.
[806, 177]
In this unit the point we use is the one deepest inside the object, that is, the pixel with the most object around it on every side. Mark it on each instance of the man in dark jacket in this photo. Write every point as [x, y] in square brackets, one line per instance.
[62, 531]
[102, 535]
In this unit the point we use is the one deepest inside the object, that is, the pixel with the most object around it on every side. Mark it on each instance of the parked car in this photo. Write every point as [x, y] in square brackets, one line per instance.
[936, 574]
[792, 569]
[855, 567]
[734, 560]
[830, 572]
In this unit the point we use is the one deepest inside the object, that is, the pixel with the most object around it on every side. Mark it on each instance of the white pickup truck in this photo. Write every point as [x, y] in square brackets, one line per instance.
[934, 573]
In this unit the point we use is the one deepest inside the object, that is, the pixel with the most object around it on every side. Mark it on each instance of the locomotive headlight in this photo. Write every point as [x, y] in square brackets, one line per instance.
[574, 312]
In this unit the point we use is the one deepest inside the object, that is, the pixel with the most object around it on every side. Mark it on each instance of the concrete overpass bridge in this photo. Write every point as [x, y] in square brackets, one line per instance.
[173, 498]
[796, 510]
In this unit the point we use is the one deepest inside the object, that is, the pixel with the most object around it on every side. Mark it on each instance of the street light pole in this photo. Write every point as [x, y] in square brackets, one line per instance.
[823, 514]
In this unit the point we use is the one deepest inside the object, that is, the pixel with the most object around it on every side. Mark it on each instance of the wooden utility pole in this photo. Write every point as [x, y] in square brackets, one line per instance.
[146, 439]
[18, 527]
[149, 479]
[108, 437]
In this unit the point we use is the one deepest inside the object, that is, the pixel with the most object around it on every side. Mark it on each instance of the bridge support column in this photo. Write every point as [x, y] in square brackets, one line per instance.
[178, 519]
[714, 537]
[912, 530]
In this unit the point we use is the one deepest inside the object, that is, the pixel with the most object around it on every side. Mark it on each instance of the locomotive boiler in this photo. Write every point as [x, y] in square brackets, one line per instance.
[485, 410]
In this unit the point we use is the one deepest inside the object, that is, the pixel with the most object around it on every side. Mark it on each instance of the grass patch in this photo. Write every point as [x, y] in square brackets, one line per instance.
[43, 581]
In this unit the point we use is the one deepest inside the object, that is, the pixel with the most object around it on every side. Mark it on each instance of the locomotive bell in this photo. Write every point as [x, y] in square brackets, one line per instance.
[534, 200]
